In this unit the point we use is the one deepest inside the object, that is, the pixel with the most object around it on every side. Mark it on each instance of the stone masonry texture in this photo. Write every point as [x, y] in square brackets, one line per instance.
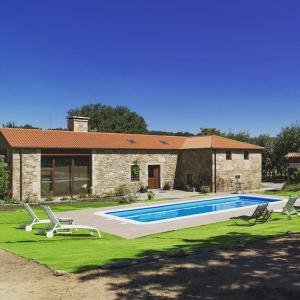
[196, 162]
[29, 163]
[248, 170]
[111, 168]
[78, 125]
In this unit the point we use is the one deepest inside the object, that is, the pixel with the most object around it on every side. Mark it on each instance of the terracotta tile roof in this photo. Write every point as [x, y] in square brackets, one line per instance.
[216, 142]
[34, 138]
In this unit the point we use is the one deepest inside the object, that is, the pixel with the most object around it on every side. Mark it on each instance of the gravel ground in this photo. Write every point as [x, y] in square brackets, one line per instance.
[266, 269]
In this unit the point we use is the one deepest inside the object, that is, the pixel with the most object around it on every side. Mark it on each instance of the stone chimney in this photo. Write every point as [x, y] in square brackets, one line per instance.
[78, 124]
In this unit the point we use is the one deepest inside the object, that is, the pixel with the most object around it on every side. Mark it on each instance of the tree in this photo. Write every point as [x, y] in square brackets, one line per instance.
[13, 125]
[210, 131]
[28, 126]
[4, 177]
[242, 136]
[268, 160]
[105, 118]
[9, 125]
[178, 133]
[288, 140]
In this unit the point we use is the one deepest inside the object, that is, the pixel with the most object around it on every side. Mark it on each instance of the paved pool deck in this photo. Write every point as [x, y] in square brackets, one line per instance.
[129, 230]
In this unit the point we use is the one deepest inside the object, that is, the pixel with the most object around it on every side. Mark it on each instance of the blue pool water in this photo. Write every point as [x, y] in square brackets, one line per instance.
[170, 211]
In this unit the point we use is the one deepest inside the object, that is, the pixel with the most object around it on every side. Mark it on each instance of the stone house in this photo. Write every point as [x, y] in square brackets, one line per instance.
[77, 161]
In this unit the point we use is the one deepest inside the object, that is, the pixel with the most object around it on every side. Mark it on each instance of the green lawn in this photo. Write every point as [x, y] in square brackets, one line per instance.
[288, 189]
[282, 193]
[80, 252]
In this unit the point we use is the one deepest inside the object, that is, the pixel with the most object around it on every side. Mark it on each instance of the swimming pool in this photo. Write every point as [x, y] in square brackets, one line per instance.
[157, 213]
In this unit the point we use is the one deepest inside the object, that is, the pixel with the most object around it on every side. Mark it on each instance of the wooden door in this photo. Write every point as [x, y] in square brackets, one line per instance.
[154, 177]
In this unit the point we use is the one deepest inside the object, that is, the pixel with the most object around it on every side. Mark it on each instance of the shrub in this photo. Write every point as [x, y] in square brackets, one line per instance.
[94, 196]
[30, 198]
[205, 189]
[83, 196]
[126, 200]
[143, 189]
[8, 200]
[167, 186]
[122, 190]
[294, 175]
[108, 194]
[150, 195]
[49, 196]
[4, 178]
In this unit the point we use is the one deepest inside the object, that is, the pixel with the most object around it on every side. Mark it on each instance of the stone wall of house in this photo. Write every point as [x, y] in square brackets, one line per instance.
[31, 174]
[197, 162]
[111, 168]
[15, 173]
[248, 170]
[30, 165]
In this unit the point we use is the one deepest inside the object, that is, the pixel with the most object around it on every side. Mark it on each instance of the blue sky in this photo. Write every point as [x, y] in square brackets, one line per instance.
[182, 65]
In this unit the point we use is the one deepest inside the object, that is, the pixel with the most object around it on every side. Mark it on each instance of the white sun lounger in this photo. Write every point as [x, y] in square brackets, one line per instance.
[289, 208]
[35, 220]
[58, 227]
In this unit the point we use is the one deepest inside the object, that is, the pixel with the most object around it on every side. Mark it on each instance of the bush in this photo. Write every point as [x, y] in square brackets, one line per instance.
[167, 186]
[8, 200]
[83, 196]
[94, 196]
[122, 190]
[126, 200]
[294, 175]
[49, 196]
[150, 195]
[4, 178]
[143, 189]
[30, 198]
[205, 189]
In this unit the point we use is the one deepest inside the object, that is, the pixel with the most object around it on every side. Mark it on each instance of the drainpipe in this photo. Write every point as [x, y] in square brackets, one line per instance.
[215, 170]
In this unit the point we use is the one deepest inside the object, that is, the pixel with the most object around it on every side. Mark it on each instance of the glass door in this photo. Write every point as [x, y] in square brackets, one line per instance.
[47, 175]
[81, 175]
[62, 176]
[65, 175]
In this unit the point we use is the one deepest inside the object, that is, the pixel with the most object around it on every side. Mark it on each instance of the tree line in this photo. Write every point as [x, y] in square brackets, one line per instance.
[120, 119]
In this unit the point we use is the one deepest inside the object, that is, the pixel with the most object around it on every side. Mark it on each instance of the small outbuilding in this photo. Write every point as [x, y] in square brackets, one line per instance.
[293, 159]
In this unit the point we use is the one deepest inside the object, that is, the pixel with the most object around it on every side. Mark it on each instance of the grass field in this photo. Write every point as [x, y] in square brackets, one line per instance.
[81, 252]
[288, 189]
[282, 193]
